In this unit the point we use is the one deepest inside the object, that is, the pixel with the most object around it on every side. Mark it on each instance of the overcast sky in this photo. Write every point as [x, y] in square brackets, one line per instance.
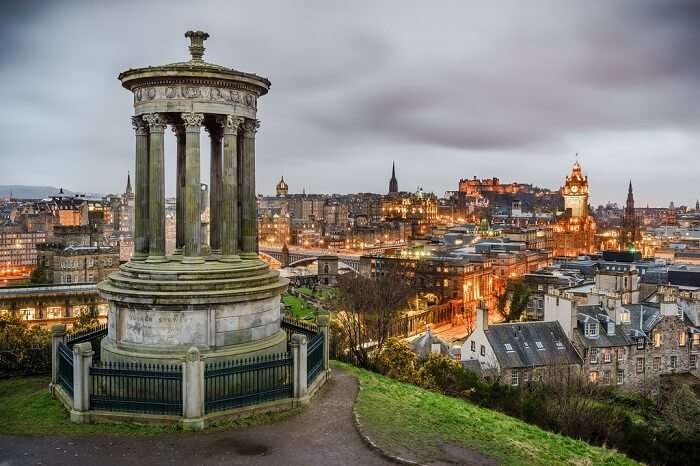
[447, 89]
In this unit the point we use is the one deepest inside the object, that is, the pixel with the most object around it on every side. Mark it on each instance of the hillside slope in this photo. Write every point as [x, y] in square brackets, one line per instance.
[427, 427]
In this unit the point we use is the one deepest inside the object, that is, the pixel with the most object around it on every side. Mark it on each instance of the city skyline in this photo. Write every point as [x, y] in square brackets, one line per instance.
[588, 81]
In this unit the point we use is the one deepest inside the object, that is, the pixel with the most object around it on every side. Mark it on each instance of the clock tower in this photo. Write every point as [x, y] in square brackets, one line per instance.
[575, 192]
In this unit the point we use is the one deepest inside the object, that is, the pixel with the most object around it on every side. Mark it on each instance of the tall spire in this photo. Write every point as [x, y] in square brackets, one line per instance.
[128, 183]
[393, 182]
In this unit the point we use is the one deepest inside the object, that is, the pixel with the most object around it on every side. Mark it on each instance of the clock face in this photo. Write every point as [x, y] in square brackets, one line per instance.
[574, 189]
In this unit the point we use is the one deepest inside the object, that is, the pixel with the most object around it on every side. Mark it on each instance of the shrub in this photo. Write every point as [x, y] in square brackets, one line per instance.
[439, 373]
[398, 361]
[23, 349]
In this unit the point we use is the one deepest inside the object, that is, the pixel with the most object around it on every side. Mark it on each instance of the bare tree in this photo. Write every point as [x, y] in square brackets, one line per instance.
[368, 308]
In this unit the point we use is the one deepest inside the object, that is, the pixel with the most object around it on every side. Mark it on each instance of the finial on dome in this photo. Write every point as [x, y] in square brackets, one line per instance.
[196, 47]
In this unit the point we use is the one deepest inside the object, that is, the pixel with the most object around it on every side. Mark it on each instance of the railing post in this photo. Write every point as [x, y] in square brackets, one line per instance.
[322, 321]
[299, 353]
[193, 391]
[82, 360]
[58, 334]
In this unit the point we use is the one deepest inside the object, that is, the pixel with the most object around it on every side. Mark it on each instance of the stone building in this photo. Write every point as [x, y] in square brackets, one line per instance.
[282, 188]
[575, 230]
[393, 182]
[18, 249]
[328, 270]
[630, 345]
[75, 255]
[520, 352]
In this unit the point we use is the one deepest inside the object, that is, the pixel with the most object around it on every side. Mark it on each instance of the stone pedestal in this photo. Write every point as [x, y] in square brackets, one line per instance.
[224, 310]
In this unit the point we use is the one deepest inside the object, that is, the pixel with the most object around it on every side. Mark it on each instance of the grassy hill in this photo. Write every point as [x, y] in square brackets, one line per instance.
[428, 427]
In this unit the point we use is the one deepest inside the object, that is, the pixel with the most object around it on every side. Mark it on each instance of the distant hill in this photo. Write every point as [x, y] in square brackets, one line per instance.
[30, 192]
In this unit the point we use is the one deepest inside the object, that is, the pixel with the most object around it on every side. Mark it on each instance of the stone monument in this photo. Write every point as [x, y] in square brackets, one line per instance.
[217, 296]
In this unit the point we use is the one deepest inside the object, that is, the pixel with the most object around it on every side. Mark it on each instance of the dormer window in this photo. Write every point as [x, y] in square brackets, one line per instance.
[591, 330]
[611, 327]
[625, 316]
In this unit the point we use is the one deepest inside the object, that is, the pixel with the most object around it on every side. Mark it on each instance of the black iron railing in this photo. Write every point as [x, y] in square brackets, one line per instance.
[93, 335]
[234, 384]
[314, 358]
[64, 375]
[292, 326]
[130, 387]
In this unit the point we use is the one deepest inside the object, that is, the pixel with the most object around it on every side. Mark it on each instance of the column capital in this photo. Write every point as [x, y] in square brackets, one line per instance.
[156, 121]
[192, 120]
[231, 124]
[250, 127]
[141, 127]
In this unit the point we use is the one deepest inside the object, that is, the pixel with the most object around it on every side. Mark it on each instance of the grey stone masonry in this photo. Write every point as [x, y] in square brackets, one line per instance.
[82, 360]
[299, 345]
[58, 334]
[193, 390]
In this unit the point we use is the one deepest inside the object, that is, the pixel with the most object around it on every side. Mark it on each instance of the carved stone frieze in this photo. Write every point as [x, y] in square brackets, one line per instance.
[191, 91]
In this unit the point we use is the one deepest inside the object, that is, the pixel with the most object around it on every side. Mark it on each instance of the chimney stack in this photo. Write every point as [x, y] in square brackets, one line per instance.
[482, 316]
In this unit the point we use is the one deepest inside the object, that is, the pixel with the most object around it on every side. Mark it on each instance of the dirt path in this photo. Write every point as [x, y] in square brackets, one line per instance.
[323, 434]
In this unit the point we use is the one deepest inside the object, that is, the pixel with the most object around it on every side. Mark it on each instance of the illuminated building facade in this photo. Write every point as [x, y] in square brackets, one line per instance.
[574, 231]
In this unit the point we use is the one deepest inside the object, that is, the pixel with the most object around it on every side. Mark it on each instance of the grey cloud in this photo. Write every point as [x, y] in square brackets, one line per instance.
[476, 86]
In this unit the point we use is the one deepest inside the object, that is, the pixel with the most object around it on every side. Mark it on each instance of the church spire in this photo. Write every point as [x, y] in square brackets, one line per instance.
[128, 183]
[393, 182]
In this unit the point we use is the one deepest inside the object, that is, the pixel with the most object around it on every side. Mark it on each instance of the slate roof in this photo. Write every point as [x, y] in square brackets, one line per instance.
[597, 312]
[523, 338]
[643, 317]
[422, 345]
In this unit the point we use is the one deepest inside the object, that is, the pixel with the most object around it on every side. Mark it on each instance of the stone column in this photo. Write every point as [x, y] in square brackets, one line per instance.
[156, 187]
[322, 321]
[193, 391]
[249, 221]
[298, 345]
[141, 194]
[193, 243]
[179, 131]
[215, 188]
[229, 213]
[82, 360]
[58, 334]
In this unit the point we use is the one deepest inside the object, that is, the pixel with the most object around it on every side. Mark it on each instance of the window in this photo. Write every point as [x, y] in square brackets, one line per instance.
[473, 344]
[696, 339]
[620, 354]
[674, 362]
[640, 365]
[514, 377]
[656, 364]
[682, 337]
[620, 377]
[594, 355]
[625, 316]
[593, 376]
[526, 344]
[509, 348]
[526, 375]
[591, 329]
[607, 356]
[560, 345]
[539, 345]
[640, 343]
[658, 339]
[693, 361]
[606, 378]
[483, 350]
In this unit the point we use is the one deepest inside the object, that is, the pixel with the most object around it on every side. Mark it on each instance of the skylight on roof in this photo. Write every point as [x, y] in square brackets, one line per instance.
[539, 345]
[509, 347]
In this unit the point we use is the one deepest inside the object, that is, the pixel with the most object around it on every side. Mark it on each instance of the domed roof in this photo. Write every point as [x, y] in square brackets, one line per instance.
[195, 68]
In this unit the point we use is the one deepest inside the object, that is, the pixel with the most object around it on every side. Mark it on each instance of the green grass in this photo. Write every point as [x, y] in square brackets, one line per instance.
[300, 309]
[27, 408]
[402, 417]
